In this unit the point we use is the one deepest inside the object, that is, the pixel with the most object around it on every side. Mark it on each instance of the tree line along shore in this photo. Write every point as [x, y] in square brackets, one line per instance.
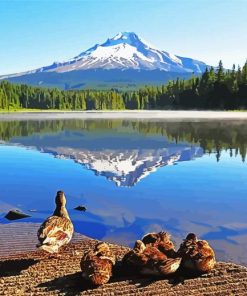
[213, 137]
[215, 89]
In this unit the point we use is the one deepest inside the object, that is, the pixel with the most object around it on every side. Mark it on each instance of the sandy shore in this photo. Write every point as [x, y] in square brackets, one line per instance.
[130, 114]
[26, 271]
[33, 273]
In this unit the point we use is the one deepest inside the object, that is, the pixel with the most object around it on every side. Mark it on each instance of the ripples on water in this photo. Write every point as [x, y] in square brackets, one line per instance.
[133, 176]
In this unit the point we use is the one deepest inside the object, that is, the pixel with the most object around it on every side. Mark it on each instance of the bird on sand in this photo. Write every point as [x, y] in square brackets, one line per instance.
[197, 255]
[161, 241]
[57, 230]
[97, 264]
[149, 260]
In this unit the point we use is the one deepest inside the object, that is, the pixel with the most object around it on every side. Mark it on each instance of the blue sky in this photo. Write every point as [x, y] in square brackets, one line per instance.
[37, 33]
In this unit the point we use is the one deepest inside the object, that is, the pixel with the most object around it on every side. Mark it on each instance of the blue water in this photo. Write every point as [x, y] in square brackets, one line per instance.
[132, 181]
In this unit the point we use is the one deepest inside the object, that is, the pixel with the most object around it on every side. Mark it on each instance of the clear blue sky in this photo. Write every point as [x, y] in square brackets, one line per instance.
[36, 33]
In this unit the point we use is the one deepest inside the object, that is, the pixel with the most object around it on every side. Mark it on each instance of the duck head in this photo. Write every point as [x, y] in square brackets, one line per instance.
[191, 236]
[150, 238]
[60, 199]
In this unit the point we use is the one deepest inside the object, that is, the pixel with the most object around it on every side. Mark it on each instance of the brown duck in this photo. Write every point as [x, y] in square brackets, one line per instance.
[149, 260]
[161, 241]
[57, 230]
[197, 255]
[97, 264]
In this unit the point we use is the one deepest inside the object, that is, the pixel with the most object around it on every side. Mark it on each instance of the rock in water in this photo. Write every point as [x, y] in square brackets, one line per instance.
[80, 208]
[15, 215]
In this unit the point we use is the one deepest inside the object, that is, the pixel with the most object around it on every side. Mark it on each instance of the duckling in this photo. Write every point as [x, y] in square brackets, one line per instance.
[57, 230]
[149, 260]
[97, 264]
[197, 255]
[161, 241]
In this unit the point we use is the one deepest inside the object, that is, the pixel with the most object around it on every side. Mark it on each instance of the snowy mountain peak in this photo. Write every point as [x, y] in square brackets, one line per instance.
[125, 36]
[121, 40]
[125, 51]
[130, 38]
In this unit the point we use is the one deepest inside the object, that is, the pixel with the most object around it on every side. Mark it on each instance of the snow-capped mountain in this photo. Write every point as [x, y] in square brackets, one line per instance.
[125, 51]
[121, 155]
[126, 167]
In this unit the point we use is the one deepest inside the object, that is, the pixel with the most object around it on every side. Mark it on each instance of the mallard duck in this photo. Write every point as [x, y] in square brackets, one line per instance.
[197, 255]
[97, 264]
[57, 230]
[150, 260]
[162, 241]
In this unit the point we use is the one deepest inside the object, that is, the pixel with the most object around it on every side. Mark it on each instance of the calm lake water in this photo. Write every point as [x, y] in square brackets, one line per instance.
[133, 176]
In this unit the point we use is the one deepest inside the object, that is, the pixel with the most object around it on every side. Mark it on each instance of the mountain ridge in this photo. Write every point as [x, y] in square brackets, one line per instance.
[126, 51]
[121, 49]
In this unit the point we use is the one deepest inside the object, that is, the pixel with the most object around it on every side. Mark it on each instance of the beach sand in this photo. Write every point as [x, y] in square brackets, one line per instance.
[31, 272]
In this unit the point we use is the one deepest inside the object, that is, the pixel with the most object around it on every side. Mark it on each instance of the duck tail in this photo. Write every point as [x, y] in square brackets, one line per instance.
[100, 279]
[170, 266]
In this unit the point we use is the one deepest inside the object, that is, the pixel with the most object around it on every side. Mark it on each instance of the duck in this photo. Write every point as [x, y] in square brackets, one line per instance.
[149, 260]
[97, 264]
[197, 255]
[162, 241]
[57, 230]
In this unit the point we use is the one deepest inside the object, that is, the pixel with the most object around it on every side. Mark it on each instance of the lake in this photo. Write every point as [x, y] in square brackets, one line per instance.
[133, 176]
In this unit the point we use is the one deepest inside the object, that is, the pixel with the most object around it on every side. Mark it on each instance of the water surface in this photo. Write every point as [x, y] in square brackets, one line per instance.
[133, 176]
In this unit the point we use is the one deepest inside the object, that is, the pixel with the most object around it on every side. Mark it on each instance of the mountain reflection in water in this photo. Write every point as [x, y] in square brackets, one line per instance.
[124, 167]
[204, 192]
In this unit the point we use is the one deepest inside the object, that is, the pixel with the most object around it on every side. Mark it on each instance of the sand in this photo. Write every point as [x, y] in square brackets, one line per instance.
[130, 114]
[32, 273]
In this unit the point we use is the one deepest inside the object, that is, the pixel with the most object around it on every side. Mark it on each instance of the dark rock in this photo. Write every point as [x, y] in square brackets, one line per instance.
[15, 215]
[80, 208]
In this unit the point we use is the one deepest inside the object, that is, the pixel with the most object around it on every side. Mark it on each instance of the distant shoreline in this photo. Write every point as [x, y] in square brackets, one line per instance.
[165, 115]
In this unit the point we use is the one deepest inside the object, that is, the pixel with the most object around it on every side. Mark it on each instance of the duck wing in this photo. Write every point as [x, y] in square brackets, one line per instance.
[55, 231]
[169, 266]
[98, 270]
[205, 260]
[134, 259]
[158, 263]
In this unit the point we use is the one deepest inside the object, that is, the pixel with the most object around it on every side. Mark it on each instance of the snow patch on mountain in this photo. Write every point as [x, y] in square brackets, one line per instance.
[124, 51]
[126, 167]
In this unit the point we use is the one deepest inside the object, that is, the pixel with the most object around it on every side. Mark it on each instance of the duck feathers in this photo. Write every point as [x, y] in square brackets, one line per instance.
[162, 241]
[150, 260]
[54, 233]
[57, 230]
[197, 255]
[97, 264]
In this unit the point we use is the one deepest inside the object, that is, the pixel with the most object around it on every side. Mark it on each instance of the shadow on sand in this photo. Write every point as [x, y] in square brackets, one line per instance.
[14, 267]
[73, 284]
